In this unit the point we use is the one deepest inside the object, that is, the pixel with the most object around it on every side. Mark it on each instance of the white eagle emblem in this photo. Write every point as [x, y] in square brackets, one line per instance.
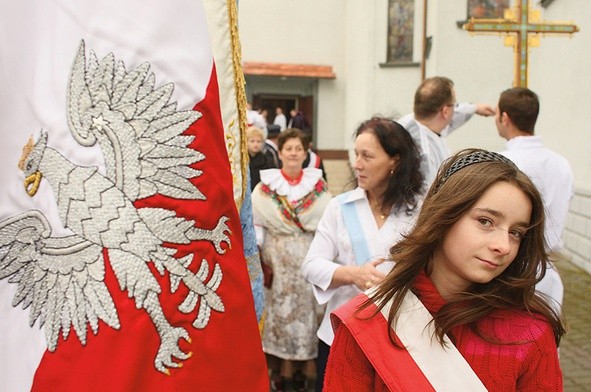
[61, 279]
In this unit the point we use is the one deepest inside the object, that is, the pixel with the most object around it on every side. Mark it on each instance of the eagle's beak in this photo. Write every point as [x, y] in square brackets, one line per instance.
[32, 183]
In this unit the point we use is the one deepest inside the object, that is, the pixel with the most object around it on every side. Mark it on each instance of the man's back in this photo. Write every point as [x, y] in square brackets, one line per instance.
[552, 175]
[270, 150]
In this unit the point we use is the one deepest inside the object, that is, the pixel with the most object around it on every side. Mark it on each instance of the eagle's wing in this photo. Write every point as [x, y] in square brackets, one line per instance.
[139, 131]
[60, 279]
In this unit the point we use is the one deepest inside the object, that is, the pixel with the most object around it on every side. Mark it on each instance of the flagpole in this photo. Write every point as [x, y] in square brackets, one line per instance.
[424, 53]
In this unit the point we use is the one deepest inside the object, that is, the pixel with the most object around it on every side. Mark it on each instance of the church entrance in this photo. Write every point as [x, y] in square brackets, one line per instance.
[287, 103]
[269, 92]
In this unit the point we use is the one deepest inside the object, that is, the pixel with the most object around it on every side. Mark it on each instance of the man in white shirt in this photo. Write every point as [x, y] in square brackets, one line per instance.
[280, 118]
[515, 119]
[435, 115]
[255, 119]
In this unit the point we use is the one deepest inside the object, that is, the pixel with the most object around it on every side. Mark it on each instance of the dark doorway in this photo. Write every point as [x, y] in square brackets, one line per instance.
[287, 103]
[306, 106]
[270, 102]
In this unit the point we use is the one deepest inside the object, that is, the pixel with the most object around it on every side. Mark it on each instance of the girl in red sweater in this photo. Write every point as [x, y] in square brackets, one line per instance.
[459, 310]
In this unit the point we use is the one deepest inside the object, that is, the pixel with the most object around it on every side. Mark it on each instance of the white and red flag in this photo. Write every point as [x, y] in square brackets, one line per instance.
[121, 254]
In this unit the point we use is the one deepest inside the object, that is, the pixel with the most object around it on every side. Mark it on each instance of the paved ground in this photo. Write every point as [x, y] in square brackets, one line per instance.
[575, 348]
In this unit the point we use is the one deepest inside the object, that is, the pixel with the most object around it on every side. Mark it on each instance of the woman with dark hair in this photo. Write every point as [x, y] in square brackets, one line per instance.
[459, 310]
[358, 227]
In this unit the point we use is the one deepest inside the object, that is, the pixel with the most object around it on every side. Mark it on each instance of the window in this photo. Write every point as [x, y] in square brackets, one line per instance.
[487, 8]
[400, 31]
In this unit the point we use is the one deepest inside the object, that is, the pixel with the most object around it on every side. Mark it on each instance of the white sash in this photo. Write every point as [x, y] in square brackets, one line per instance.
[354, 229]
[445, 368]
[314, 160]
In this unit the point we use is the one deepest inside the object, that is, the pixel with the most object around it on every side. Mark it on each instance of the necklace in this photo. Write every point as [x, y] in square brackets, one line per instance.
[293, 181]
[380, 212]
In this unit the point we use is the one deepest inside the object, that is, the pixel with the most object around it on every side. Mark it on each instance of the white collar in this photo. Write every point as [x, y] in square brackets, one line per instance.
[271, 143]
[360, 194]
[529, 141]
[356, 194]
[276, 182]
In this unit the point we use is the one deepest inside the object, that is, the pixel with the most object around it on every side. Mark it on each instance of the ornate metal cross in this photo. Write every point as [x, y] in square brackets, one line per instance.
[523, 28]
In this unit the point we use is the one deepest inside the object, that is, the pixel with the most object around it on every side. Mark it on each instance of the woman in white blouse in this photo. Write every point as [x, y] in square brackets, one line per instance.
[358, 228]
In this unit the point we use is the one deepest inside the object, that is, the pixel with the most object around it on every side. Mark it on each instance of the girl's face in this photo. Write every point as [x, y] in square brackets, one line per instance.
[372, 164]
[292, 154]
[255, 144]
[484, 241]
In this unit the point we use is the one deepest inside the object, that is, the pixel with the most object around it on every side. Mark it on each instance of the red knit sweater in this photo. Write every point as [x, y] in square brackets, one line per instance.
[529, 366]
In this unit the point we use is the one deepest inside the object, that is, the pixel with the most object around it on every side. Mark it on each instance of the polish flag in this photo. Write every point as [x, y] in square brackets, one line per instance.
[40, 41]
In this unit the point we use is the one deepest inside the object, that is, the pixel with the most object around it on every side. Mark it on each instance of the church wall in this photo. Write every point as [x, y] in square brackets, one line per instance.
[454, 53]
[560, 75]
[359, 54]
[291, 31]
[577, 235]
[261, 84]
[330, 119]
[395, 90]
[373, 89]
[393, 87]
[389, 89]
[353, 42]
[299, 32]
[480, 66]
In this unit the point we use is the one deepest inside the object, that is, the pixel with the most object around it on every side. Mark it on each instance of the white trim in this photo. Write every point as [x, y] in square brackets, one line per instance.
[445, 368]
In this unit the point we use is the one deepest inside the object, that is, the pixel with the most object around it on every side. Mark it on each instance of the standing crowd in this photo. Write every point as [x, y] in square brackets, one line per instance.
[435, 272]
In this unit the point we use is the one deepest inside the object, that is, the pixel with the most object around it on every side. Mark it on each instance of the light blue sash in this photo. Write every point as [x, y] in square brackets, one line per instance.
[354, 229]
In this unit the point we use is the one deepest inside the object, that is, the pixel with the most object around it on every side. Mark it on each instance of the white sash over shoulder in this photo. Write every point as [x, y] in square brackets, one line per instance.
[444, 367]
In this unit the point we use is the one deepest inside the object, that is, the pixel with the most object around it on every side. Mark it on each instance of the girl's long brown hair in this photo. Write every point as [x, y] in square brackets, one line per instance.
[445, 203]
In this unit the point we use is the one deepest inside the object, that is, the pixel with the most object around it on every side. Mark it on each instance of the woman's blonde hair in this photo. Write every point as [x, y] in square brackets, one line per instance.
[254, 131]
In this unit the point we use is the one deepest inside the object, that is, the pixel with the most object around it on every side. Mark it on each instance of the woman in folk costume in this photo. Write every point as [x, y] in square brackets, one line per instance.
[287, 205]
[359, 227]
[459, 310]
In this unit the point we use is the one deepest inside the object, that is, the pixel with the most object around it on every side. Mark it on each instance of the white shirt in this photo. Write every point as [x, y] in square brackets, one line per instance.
[331, 248]
[281, 120]
[552, 175]
[254, 118]
[433, 146]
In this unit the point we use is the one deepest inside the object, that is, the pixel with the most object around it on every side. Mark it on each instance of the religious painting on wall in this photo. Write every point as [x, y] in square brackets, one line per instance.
[489, 9]
[400, 31]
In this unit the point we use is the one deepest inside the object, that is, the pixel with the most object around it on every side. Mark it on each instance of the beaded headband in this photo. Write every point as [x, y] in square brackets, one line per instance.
[471, 158]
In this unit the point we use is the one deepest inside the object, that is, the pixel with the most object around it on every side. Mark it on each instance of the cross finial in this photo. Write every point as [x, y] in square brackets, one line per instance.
[523, 26]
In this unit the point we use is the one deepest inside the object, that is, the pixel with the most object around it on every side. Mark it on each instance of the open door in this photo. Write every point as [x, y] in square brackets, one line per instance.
[306, 105]
[271, 102]
[287, 103]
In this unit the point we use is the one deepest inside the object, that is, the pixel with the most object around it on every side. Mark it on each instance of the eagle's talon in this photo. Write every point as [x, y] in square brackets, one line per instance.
[169, 349]
[220, 232]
